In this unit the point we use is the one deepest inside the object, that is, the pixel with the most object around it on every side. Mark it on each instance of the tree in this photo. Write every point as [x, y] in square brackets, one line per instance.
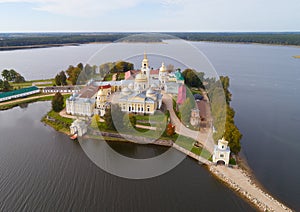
[13, 74]
[6, 86]
[80, 66]
[225, 84]
[122, 66]
[170, 129]
[193, 78]
[6, 75]
[63, 78]
[170, 68]
[58, 80]
[233, 136]
[1, 84]
[19, 79]
[108, 119]
[58, 102]
[73, 73]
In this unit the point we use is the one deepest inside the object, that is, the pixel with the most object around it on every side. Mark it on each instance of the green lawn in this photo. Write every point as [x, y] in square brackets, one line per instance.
[58, 122]
[188, 144]
[185, 142]
[29, 83]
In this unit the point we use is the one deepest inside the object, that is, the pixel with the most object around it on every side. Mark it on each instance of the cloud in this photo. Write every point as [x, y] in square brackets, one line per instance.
[78, 7]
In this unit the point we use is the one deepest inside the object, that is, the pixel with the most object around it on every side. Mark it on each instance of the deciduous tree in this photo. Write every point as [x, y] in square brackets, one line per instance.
[58, 102]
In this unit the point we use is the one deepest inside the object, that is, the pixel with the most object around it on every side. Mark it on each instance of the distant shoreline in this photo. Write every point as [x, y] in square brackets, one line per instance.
[41, 46]
[11, 48]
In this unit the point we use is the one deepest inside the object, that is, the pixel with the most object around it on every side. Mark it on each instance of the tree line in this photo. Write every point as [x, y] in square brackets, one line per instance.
[220, 97]
[284, 38]
[81, 74]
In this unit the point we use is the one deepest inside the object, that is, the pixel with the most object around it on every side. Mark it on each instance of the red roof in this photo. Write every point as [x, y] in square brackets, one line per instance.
[105, 86]
[154, 71]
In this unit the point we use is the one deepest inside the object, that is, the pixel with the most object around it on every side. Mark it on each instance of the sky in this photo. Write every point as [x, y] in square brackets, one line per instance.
[149, 15]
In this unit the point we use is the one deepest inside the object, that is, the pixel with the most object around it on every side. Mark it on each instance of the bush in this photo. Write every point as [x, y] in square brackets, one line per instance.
[232, 161]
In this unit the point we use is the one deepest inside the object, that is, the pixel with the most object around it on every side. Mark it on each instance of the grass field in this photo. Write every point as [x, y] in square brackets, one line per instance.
[29, 83]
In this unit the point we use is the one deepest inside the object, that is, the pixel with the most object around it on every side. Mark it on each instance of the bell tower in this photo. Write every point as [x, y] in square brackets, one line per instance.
[145, 63]
[145, 68]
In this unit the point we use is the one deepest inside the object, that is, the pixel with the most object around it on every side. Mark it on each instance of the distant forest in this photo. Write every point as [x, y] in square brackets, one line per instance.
[32, 39]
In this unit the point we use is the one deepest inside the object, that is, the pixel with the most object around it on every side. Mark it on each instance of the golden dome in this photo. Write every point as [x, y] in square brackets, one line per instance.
[163, 68]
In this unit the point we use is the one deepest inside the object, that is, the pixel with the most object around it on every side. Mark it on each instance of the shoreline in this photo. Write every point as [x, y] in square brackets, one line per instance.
[246, 43]
[243, 171]
[41, 46]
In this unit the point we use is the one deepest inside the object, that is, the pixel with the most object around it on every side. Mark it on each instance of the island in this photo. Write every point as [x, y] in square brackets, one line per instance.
[175, 107]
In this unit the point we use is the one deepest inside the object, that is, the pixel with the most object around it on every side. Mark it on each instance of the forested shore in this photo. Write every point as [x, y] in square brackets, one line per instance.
[12, 41]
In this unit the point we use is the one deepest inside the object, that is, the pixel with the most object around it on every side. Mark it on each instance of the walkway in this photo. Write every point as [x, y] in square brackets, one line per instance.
[191, 154]
[204, 138]
[238, 180]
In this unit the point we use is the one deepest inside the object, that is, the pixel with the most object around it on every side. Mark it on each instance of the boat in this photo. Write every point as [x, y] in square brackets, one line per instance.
[74, 137]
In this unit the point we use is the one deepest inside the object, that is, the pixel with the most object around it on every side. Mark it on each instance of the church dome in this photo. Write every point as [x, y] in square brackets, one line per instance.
[126, 91]
[163, 68]
[131, 86]
[141, 77]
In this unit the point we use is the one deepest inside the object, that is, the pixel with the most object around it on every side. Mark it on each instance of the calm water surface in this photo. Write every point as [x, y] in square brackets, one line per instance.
[265, 82]
[42, 170]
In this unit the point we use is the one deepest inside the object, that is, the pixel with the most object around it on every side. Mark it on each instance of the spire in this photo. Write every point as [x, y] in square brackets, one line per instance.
[145, 55]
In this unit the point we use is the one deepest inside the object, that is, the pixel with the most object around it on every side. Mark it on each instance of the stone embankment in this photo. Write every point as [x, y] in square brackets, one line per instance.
[240, 181]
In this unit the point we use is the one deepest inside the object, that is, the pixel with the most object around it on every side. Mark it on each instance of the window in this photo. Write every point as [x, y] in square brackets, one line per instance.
[222, 156]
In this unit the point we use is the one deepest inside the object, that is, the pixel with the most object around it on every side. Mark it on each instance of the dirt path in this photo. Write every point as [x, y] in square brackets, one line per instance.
[204, 138]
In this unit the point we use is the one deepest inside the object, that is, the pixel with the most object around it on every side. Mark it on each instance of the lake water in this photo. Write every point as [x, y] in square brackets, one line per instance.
[42, 170]
[265, 82]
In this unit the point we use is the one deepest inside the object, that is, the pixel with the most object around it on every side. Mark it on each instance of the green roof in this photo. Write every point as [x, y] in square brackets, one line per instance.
[16, 92]
[179, 75]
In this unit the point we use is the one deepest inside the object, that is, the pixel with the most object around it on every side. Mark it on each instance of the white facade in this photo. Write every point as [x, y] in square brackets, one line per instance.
[221, 152]
[163, 74]
[78, 127]
[80, 107]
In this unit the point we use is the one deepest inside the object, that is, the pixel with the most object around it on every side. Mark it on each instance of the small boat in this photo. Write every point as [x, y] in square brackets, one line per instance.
[74, 137]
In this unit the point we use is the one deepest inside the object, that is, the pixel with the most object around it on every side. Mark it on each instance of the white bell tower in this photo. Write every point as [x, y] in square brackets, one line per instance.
[145, 68]
[221, 152]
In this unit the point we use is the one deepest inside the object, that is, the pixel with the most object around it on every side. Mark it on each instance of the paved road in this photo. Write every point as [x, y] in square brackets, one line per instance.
[204, 138]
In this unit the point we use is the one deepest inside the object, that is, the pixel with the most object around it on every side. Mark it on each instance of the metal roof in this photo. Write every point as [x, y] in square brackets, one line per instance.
[17, 92]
